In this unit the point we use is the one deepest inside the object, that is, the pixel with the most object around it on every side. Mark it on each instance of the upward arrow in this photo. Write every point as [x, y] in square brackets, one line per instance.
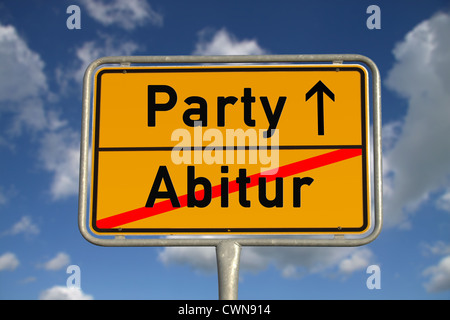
[320, 88]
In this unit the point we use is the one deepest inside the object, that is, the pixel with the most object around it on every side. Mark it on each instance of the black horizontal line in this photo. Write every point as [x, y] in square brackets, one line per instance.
[178, 148]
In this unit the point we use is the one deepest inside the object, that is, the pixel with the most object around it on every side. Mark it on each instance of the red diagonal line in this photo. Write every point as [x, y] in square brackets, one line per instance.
[233, 186]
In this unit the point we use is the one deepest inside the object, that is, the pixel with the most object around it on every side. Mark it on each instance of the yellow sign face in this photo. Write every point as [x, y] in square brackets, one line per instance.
[230, 150]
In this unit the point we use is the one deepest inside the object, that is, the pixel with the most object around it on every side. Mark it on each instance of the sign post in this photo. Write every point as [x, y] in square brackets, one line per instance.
[273, 151]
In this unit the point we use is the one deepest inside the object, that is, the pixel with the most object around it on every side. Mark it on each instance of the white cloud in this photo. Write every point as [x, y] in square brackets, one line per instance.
[127, 14]
[438, 248]
[224, 43]
[199, 258]
[21, 69]
[24, 93]
[28, 280]
[58, 262]
[30, 115]
[439, 276]
[22, 83]
[8, 261]
[357, 261]
[296, 262]
[60, 155]
[64, 293]
[60, 145]
[390, 133]
[419, 160]
[443, 201]
[291, 262]
[26, 226]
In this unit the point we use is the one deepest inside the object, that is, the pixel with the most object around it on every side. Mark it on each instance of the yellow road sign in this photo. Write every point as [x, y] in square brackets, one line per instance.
[230, 149]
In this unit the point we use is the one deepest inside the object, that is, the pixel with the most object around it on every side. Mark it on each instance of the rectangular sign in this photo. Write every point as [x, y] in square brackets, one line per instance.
[230, 150]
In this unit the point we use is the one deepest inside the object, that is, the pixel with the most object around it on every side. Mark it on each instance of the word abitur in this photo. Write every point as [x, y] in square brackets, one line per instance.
[202, 198]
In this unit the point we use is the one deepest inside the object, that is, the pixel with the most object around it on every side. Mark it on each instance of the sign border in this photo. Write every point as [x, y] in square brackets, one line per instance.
[225, 69]
[269, 240]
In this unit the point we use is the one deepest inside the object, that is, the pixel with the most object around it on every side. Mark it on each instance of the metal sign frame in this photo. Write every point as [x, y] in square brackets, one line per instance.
[234, 241]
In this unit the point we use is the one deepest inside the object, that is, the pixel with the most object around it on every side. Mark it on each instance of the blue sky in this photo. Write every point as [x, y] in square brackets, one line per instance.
[41, 68]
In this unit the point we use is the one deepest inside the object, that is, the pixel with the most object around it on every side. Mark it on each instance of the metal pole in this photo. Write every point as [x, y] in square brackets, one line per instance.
[228, 254]
[337, 241]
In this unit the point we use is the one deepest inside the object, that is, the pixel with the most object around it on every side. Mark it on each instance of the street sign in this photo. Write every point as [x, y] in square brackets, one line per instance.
[255, 149]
